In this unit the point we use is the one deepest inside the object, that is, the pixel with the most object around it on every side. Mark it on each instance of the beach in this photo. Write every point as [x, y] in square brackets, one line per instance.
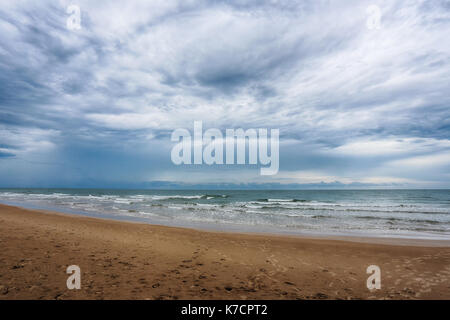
[129, 260]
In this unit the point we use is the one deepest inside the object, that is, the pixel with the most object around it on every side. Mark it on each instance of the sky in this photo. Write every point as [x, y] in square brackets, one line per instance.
[359, 90]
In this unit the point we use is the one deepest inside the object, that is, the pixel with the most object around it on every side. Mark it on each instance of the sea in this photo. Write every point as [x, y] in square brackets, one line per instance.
[417, 214]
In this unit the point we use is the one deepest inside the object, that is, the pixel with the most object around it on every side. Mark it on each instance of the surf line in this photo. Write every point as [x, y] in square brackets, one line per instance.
[209, 148]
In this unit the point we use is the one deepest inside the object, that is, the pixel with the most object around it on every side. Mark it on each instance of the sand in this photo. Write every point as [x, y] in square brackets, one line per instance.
[123, 260]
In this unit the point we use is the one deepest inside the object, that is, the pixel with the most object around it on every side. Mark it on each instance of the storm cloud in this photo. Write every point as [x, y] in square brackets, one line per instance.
[353, 103]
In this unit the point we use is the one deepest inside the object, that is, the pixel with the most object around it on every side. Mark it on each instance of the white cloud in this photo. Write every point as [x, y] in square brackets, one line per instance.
[31, 141]
[424, 162]
[393, 146]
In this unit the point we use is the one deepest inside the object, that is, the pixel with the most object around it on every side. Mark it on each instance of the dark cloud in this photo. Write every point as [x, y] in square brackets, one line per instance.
[6, 154]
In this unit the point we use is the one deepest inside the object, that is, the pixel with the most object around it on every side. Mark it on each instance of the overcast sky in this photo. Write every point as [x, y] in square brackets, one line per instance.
[356, 101]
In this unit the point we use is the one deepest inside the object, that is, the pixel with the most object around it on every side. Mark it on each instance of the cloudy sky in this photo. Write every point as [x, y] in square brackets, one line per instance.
[360, 90]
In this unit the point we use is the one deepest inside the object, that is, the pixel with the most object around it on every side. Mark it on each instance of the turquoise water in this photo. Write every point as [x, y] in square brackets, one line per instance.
[386, 213]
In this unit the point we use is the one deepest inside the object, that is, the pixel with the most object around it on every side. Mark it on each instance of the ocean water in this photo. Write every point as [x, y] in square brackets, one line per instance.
[382, 213]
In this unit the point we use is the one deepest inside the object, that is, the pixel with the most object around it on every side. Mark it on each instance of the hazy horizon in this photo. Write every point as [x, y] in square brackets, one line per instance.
[212, 187]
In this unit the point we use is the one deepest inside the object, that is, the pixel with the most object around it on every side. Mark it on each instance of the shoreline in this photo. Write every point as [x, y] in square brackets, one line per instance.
[251, 230]
[133, 260]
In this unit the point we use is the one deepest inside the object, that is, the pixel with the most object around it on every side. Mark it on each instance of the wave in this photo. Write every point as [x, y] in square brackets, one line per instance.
[282, 200]
[214, 196]
[390, 219]
[180, 197]
[330, 207]
[174, 197]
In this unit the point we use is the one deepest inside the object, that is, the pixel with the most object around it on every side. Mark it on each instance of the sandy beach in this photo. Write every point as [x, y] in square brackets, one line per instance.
[122, 260]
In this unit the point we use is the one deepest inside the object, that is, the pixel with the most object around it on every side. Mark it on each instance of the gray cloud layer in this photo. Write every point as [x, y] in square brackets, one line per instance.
[97, 105]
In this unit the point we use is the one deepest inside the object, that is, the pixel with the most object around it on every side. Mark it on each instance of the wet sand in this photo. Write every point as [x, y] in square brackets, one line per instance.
[123, 260]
